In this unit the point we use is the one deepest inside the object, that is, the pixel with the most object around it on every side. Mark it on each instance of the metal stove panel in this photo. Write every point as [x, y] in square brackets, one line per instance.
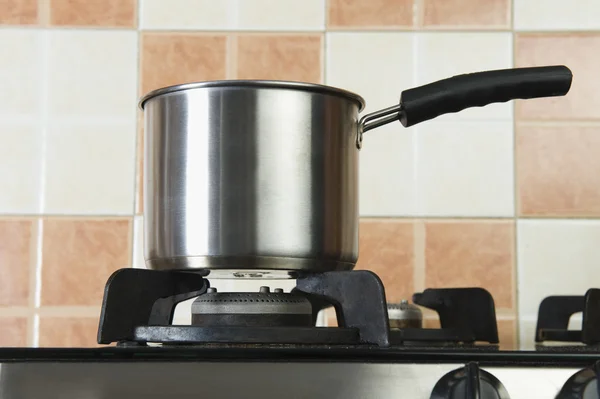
[265, 380]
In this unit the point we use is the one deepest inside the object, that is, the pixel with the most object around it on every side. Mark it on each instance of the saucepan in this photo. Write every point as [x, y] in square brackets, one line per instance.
[259, 178]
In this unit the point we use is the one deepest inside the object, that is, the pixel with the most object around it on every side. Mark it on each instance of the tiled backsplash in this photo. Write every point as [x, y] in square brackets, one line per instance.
[506, 197]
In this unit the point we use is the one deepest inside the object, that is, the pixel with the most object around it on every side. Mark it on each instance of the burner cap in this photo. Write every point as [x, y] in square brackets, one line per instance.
[263, 308]
[404, 315]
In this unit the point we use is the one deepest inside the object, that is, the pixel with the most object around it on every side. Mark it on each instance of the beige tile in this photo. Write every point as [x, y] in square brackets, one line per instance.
[78, 257]
[386, 248]
[557, 170]
[282, 15]
[556, 257]
[96, 13]
[187, 14]
[527, 332]
[379, 83]
[18, 12]
[245, 15]
[90, 169]
[570, 49]
[556, 15]
[92, 75]
[387, 173]
[477, 253]
[20, 74]
[172, 58]
[442, 55]
[489, 14]
[20, 169]
[13, 331]
[369, 13]
[66, 331]
[279, 57]
[465, 168]
[387, 184]
[17, 251]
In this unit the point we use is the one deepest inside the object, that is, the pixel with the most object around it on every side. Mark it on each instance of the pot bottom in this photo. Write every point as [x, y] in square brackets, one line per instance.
[249, 267]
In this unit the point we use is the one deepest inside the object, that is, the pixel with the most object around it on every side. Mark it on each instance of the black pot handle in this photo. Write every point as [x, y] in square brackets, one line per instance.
[482, 88]
[470, 90]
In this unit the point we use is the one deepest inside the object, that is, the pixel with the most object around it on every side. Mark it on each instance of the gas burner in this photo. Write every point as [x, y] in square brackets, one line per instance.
[139, 304]
[251, 309]
[404, 315]
[138, 308]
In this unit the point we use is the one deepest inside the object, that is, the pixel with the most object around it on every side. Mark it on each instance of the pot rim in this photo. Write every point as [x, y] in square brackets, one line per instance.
[264, 84]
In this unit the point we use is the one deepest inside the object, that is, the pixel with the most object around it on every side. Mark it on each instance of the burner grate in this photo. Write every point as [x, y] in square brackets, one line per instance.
[138, 307]
[554, 314]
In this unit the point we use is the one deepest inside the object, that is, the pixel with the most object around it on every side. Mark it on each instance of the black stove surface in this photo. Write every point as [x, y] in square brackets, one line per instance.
[557, 357]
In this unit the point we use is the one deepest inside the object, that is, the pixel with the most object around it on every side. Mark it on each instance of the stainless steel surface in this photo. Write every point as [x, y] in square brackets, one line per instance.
[160, 380]
[251, 303]
[405, 315]
[273, 84]
[251, 176]
[375, 120]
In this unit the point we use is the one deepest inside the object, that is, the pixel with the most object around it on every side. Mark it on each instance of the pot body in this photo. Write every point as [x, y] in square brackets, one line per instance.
[255, 177]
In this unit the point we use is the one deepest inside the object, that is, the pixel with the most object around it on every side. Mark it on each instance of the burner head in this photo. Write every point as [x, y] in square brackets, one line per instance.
[251, 309]
[404, 315]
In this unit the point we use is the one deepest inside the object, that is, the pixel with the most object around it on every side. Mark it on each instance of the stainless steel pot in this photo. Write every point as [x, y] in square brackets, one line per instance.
[257, 177]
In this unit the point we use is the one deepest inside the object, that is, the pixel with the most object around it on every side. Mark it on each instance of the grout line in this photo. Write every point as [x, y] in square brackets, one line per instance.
[36, 331]
[231, 56]
[416, 197]
[138, 10]
[511, 15]
[516, 201]
[324, 45]
[418, 14]
[43, 13]
[33, 279]
[38, 264]
[137, 137]
[65, 28]
[419, 256]
[346, 29]
[42, 199]
[323, 58]
[134, 251]
[33, 255]
[131, 243]
[381, 219]
[15, 311]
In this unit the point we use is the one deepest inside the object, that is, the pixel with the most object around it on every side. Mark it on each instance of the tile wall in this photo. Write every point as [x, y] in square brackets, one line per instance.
[506, 197]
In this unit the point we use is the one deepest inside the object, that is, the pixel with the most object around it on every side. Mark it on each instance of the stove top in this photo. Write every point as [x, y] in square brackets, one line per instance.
[269, 344]
[139, 304]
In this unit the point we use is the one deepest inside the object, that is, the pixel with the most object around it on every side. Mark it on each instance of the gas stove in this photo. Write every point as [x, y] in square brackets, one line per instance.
[267, 344]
